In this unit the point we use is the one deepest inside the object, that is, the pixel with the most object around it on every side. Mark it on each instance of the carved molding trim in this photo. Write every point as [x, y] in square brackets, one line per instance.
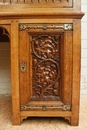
[45, 108]
[45, 27]
[26, 1]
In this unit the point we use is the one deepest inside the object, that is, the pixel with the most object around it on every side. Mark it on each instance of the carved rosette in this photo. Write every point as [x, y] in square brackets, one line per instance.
[45, 67]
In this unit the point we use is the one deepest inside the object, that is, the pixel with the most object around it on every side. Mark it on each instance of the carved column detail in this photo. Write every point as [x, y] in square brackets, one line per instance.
[45, 67]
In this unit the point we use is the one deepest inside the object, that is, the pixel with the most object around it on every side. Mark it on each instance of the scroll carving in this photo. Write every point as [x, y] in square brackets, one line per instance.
[45, 67]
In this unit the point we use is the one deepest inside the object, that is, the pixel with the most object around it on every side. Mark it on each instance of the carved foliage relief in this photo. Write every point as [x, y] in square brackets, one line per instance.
[45, 67]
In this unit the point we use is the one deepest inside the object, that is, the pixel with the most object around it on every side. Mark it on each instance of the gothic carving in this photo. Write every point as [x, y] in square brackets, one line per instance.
[45, 67]
[4, 35]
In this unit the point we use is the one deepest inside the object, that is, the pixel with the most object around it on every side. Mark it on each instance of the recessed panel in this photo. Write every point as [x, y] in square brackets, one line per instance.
[45, 67]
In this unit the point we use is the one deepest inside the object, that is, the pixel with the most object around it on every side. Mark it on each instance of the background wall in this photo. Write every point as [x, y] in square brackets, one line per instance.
[5, 82]
[84, 49]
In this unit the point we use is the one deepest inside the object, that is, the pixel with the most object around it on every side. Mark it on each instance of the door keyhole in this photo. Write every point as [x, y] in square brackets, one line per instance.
[23, 67]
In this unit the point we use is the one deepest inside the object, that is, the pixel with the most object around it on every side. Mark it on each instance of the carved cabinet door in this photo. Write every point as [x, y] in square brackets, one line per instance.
[45, 56]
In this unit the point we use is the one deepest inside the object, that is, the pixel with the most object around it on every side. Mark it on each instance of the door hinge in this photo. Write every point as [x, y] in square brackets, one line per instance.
[45, 108]
[45, 26]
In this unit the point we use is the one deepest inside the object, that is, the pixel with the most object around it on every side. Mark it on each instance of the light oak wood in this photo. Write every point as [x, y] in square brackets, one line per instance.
[67, 67]
[15, 73]
[76, 72]
[63, 82]
[45, 113]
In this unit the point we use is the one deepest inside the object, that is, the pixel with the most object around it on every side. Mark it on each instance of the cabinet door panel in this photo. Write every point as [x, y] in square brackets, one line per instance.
[42, 56]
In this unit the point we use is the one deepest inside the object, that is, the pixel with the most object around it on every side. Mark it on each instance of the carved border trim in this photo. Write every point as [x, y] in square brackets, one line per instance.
[25, 1]
[45, 108]
[45, 27]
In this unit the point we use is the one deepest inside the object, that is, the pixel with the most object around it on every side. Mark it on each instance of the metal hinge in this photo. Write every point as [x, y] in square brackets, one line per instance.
[45, 27]
[45, 108]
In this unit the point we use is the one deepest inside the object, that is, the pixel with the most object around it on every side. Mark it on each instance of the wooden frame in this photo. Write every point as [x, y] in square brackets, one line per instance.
[15, 73]
[10, 20]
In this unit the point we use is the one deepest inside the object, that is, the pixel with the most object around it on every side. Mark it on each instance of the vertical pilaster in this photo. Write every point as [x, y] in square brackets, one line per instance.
[76, 72]
[15, 73]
